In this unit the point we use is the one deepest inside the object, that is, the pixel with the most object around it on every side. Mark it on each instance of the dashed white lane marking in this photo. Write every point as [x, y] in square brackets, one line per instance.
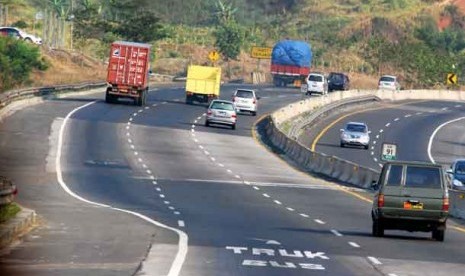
[319, 221]
[129, 141]
[130, 119]
[372, 148]
[154, 105]
[256, 188]
[181, 223]
[377, 136]
[154, 182]
[278, 202]
[247, 183]
[335, 232]
[134, 115]
[396, 119]
[177, 213]
[193, 130]
[444, 109]
[290, 209]
[201, 147]
[418, 113]
[132, 146]
[181, 253]
[381, 130]
[164, 102]
[144, 166]
[128, 134]
[162, 195]
[353, 244]
[152, 177]
[128, 123]
[408, 115]
[374, 142]
[147, 108]
[266, 195]
[387, 125]
[213, 159]
[374, 261]
[229, 171]
[380, 165]
[372, 153]
[304, 215]
[195, 140]
[127, 127]
[376, 159]
[166, 202]
[193, 126]
[199, 118]
[158, 189]
[140, 160]
[237, 176]
[221, 165]
[141, 110]
[171, 208]
[206, 153]
[457, 106]
[136, 153]
[392, 274]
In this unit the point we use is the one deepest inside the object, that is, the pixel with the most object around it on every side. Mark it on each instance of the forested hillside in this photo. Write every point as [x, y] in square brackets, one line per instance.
[420, 40]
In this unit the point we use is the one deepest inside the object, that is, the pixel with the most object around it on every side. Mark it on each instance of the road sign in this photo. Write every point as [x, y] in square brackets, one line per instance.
[261, 52]
[214, 56]
[451, 78]
[389, 152]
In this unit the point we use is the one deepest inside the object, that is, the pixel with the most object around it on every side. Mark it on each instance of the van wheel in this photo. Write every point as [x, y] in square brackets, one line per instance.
[377, 229]
[342, 145]
[207, 123]
[438, 235]
[233, 127]
[254, 113]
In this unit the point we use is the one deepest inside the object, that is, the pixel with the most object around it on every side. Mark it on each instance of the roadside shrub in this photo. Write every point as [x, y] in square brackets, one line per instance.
[17, 60]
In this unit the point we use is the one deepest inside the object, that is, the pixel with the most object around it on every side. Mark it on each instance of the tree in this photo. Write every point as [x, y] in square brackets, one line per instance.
[143, 27]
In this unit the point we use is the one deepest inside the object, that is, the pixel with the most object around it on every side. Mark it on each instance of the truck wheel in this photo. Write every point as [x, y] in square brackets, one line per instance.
[140, 100]
[438, 234]
[188, 100]
[377, 229]
[109, 98]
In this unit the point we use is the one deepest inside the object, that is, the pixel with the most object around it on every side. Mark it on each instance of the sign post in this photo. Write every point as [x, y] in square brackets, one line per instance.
[214, 56]
[389, 152]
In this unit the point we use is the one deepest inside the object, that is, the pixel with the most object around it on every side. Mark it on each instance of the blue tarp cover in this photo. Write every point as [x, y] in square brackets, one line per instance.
[293, 53]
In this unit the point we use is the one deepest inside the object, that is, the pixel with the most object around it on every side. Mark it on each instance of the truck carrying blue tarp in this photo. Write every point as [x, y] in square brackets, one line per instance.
[292, 53]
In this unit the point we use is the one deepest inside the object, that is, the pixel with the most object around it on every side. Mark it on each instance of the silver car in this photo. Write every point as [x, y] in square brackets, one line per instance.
[222, 113]
[355, 134]
[388, 82]
[246, 100]
[456, 175]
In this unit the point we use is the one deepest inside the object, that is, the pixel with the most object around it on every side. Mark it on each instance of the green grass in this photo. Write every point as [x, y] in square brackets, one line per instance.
[9, 211]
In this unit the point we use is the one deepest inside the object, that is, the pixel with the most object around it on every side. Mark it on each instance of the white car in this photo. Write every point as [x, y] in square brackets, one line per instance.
[246, 100]
[388, 82]
[221, 113]
[355, 134]
[317, 83]
[15, 32]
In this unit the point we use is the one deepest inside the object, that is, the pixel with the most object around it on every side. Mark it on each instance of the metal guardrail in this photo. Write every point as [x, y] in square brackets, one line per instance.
[7, 189]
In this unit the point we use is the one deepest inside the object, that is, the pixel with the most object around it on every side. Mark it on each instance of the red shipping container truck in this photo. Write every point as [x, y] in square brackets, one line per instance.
[128, 72]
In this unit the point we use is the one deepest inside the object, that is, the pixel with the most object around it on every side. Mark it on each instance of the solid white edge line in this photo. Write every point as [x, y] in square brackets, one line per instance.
[430, 143]
[183, 238]
[374, 261]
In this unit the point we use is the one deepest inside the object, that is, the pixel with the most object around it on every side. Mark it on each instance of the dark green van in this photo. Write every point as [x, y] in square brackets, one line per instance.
[411, 196]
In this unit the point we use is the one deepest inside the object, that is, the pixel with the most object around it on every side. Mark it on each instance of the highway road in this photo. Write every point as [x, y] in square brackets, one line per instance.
[117, 185]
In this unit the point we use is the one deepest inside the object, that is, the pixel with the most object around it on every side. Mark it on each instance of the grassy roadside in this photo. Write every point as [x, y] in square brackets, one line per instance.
[9, 211]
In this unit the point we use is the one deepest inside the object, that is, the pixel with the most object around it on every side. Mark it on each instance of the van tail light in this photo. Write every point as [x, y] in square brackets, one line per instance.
[254, 101]
[209, 112]
[445, 204]
[234, 116]
[234, 99]
[380, 201]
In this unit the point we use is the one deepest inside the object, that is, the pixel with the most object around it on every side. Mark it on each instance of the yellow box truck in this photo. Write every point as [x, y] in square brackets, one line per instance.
[202, 84]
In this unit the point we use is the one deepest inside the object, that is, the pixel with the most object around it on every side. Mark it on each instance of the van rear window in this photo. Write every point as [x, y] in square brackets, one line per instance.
[395, 176]
[423, 177]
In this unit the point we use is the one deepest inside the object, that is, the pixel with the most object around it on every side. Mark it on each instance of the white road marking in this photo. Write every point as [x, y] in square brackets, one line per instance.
[129, 141]
[418, 113]
[193, 126]
[154, 105]
[193, 130]
[200, 147]
[457, 106]
[372, 153]
[266, 195]
[374, 142]
[237, 176]
[127, 127]
[128, 134]
[154, 182]
[290, 209]
[181, 254]
[221, 165]
[152, 177]
[376, 159]
[246, 182]
[304, 215]
[319, 221]
[158, 189]
[392, 274]
[199, 118]
[256, 188]
[374, 261]
[136, 153]
[380, 165]
[387, 125]
[381, 130]
[212, 159]
[141, 110]
[139, 159]
[144, 166]
[129, 123]
[130, 119]
[353, 244]
[396, 119]
[430, 143]
[181, 223]
[278, 202]
[206, 153]
[132, 146]
[377, 136]
[171, 208]
[166, 202]
[135, 114]
[335, 232]
[164, 102]
[372, 148]
[229, 171]
[147, 108]
[408, 115]
[444, 109]
[162, 196]
[195, 140]
[195, 121]
[177, 213]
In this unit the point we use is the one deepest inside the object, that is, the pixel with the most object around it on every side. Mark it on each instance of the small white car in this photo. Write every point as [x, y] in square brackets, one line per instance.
[246, 100]
[388, 82]
[355, 134]
[221, 113]
[317, 83]
[15, 32]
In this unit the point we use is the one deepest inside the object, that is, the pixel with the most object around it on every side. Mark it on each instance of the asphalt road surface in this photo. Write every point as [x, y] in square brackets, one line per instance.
[154, 185]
